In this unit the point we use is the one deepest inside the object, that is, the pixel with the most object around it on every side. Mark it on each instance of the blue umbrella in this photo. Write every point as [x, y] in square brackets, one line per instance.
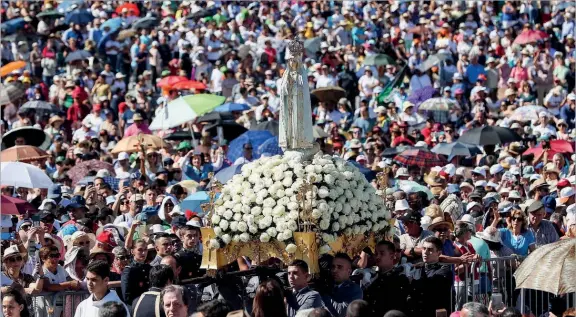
[79, 17]
[256, 138]
[368, 173]
[270, 147]
[77, 56]
[227, 173]
[194, 201]
[113, 24]
[11, 26]
[67, 4]
[230, 106]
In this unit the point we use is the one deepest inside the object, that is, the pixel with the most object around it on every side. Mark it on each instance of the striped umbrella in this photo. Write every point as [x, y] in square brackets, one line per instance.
[420, 157]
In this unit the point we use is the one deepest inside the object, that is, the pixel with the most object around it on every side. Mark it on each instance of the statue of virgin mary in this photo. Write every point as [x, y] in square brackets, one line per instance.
[295, 129]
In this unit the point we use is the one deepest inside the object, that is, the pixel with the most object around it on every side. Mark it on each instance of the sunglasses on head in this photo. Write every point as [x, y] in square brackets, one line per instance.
[14, 259]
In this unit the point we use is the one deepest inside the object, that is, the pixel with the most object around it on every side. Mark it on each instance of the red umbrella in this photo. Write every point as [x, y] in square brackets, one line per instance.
[189, 85]
[556, 146]
[82, 170]
[169, 81]
[16, 206]
[530, 36]
[131, 7]
[420, 157]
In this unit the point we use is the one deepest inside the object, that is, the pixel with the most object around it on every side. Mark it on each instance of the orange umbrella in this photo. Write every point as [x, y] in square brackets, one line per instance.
[22, 153]
[10, 67]
[189, 85]
[170, 81]
[131, 7]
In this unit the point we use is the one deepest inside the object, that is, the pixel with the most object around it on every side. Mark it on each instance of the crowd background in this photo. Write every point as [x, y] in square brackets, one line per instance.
[468, 108]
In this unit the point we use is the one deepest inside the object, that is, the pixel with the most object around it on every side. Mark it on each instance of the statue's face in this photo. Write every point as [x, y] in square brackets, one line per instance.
[294, 63]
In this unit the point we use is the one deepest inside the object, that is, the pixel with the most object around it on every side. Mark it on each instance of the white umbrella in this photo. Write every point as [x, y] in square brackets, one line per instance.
[20, 174]
[172, 115]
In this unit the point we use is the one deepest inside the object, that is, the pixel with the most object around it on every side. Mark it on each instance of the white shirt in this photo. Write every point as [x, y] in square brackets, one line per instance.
[211, 54]
[91, 308]
[81, 134]
[367, 84]
[216, 79]
[126, 217]
[59, 277]
[95, 121]
[325, 81]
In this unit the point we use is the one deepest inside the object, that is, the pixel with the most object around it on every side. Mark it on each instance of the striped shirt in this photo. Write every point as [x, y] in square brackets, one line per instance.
[546, 233]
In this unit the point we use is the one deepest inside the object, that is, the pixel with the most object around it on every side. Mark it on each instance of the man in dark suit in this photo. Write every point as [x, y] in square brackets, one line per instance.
[432, 290]
[148, 304]
[344, 291]
[135, 276]
[390, 289]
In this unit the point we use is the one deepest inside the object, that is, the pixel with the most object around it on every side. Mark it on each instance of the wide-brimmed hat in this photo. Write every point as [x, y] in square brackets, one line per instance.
[401, 205]
[98, 250]
[78, 235]
[440, 221]
[10, 251]
[57, 242]
[537, 184]
[551, 168]
[490, 234]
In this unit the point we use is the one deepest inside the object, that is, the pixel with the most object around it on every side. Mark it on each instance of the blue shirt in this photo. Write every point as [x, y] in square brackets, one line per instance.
[567, 115]
[473, 71]
[519, 245]
[195, 174]
[356, 33]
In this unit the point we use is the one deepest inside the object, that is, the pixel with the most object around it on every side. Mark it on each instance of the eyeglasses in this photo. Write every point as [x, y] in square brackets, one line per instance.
[125, 202]
[441, 230]
[248, 148]
[122, 258]
[14, 259]
[25, 228]
[517, 219]
[82, 243]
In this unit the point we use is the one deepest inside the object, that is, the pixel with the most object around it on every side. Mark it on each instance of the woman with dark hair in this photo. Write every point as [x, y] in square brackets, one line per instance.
[194, 167]
[269, 300]
[14, 304]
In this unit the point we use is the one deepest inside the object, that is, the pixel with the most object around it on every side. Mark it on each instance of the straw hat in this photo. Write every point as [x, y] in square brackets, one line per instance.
[54, 119]
[440, 221]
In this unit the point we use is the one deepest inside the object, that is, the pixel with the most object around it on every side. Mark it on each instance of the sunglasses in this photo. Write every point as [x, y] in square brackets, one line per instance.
[125, 202]
[517, 219]
[25, 228]
[441, 230]
[82, 243]
[122, 258]
[14, 259]
[47, 221]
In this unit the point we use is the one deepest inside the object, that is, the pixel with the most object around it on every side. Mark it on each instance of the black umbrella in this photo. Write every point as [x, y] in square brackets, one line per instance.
[393, 151]
[40, 107]
[182, 136]
[271, 126]
[146, 23]
[78, 56]
[52, 14]
[230, 128]
[488, 135]
[201, 14]
[11, 92]
[32, 136]
[17, 37]
[215, 116]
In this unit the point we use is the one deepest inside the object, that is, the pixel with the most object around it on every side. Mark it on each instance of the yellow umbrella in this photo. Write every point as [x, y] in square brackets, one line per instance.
[133, 143]
[10, 67]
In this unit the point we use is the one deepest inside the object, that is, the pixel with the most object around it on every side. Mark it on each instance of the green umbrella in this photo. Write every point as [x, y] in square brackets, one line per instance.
[50, 14]
[185, 109]
[379, 60]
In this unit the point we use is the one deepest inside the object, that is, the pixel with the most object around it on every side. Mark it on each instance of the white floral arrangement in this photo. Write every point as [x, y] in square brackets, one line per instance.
[261, 203]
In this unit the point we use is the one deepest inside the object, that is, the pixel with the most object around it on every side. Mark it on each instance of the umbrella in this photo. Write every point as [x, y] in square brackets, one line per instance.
[530, 36]
[456, 149]
[131, 7]
[433, 60]
[18, 174]
[26, 37]
[489, 136]
[79, 17]
[411, 186]
[10, 67]
[319, 133]
[182, 136]
[16, 206]
[331, 93]
[169, 81]
[231, 106]
[231, 129]
[112, 181]
[419, 96]
[77, 56]
[244, 51]
[368, 173]
[256, 138]
[32, 136]
[65, 5]
[194, 202]
[379, 60]
[226, 174]
[146, 23]
[81, 170]
[201, 14]
[51, 14]
[185, 109]
[22, 153]
[113, 24]
[124, 34]
[270, 126]
[528, 113]
[215, 116]
[556, 146]
[10, 93]
[40, 107]
[420, 157]
[132, 143]
[189, 85]
[550, 268]
[13, 25]
[270, 147]
[393, 151]
[438, 104]
[312, 46]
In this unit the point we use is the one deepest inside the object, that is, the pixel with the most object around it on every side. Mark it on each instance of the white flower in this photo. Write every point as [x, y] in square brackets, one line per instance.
[226, 238]
[323, 192]
[328, 238]
[336, 227]
[220, 210]
[237, 216]
[323, 206]
[346, 209]
[280, 193]
[324, 224]
[267, 211]
[237, 198]
[228, 214]
[293, 215]
[244, 237]
[224, 224]
[284, 201]
[356, 229]
[215, 219]
[291, 248]
[309, 169]
[278, 175]
[253, 229]
[324, 249]
[264, 237]
[234, 226]
[271, 232]
[269, 202]
[338, 207]
[242, 226]
[256, 210]
[316, 213]
[218, 231]
[329, 179]
[214, 244]
[246, 208]
[292, 225]
[292, 205]
[278, 211]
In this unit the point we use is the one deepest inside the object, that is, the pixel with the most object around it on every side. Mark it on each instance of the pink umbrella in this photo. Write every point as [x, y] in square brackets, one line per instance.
[530, 36]
[16, 206]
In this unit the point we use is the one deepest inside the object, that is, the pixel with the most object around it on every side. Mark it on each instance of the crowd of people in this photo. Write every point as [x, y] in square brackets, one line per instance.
[106, 69]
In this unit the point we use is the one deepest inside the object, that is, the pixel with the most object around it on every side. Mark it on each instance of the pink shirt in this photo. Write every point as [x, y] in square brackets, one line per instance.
[519, 73]
[135, 130]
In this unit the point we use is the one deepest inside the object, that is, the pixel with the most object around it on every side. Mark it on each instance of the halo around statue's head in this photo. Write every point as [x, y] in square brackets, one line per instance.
[296, 48]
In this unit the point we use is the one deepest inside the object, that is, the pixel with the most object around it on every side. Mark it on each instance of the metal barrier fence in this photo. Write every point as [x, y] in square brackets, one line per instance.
[58, 304]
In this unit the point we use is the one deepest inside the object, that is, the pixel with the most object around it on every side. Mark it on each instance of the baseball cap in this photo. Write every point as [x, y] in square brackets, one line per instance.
[136, 197]
[54, 191]
[480, 171]
[77, 202]
[411, 216]
[123, 156]
[178, 221]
